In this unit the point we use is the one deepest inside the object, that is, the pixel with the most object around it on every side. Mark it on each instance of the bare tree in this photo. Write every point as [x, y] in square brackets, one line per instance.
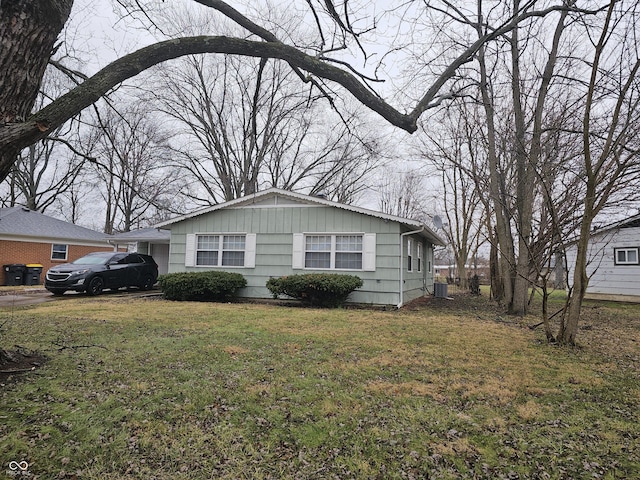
[538, 189]
[516, 81]
[42, 175]
[75, 202]
[610, 163]
[40, 26]
[46, 170]
[131, 152]
[403, 194]
[245, 125]
[454, 153]
[344, 169]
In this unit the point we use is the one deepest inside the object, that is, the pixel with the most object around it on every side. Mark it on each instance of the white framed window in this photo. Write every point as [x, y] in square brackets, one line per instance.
[419, 256]
[59, 251]
[626, 256]
[334, 251]
[318, 251]
[220, 250]
[409, 255]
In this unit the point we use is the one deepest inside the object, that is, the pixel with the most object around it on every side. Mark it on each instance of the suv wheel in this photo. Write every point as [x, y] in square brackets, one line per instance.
[147, 283]
[96, 284]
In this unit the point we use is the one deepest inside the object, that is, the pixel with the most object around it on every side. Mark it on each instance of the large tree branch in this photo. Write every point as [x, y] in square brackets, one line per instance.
[15, 136]
[18, 135]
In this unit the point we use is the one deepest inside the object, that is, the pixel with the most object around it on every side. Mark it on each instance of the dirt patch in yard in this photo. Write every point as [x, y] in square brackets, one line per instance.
[19, 361]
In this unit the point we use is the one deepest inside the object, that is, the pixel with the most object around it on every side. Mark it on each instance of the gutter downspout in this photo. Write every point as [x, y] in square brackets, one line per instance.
[115, 245]
[401, 291]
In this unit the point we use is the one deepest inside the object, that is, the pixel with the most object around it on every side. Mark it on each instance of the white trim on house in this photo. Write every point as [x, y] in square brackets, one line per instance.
[59, 251]
[629, 256]
[52, 240]
[256, 198]
[250, 250]
[297, 256]
[368, 251]
[191, 249]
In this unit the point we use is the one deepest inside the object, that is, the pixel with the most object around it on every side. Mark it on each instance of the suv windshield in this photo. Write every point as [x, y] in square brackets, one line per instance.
[93, 259]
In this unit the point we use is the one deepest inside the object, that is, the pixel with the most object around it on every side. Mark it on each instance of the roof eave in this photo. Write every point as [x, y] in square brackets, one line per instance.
[427, 232]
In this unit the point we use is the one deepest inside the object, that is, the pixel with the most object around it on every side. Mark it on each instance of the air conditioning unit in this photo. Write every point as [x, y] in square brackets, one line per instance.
[440, 290]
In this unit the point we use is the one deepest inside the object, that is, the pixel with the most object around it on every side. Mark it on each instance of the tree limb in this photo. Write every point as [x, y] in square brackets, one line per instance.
[20, 135]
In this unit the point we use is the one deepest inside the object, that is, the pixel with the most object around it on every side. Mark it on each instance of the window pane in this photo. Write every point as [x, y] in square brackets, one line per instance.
[348, 243]
[59, 252]
[233, 242]
[207, 258]
[208, 242]
[233, 259]
[317, 260]
[351, 261]
[632, 256]
[318, 243]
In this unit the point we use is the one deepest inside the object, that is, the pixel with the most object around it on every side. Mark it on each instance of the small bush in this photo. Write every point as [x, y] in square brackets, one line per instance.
[318, 289]
[201, 286]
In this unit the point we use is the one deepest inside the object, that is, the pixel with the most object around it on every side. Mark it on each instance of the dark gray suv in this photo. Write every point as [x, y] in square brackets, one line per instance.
[101, 270]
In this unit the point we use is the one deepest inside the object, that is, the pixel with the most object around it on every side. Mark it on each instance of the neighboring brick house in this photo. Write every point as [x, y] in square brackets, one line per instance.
[28, 237]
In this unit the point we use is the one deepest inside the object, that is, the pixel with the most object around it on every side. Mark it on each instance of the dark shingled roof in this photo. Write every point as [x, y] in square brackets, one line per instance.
[20, 221]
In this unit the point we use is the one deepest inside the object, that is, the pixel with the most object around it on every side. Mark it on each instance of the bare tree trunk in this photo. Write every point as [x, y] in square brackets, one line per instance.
[497, 291]
[504, 249]
[615, 161]
[569, 327]
[548, 330]
[524, 185]
[527, 162]
[28, 31]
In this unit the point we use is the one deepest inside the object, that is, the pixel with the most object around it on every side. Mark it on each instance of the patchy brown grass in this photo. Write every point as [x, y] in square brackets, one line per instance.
[443, 389]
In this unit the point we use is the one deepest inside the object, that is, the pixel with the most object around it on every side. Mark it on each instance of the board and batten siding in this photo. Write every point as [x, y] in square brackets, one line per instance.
[607, 278]
[274, 228]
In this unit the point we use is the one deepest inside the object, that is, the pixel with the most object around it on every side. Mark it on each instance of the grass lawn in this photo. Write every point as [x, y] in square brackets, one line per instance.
[150, 389]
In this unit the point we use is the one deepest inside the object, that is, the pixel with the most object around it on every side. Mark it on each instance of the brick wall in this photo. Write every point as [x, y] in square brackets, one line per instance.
[31, 252]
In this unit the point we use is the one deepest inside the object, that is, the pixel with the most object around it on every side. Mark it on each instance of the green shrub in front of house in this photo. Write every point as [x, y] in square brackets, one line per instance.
[211, 286]
[318, 289]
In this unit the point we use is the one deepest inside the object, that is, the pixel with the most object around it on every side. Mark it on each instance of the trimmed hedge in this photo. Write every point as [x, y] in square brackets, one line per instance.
[318, 289]
[211, 286]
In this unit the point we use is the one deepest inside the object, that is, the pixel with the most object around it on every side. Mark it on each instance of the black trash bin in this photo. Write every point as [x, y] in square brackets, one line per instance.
[32, 277]
[14, 274]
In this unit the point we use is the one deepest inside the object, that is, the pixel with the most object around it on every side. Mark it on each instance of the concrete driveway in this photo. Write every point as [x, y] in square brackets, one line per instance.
[24, 296]
[21, 296]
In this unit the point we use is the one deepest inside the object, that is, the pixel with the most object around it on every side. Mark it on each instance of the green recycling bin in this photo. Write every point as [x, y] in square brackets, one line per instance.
[14, 274]
[32, 276]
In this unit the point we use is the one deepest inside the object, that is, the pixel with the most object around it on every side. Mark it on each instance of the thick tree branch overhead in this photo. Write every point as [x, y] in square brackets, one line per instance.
[18, 130]
[22, 134]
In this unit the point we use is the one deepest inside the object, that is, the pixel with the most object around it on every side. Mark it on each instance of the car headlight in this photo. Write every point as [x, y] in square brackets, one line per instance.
[80, 272]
